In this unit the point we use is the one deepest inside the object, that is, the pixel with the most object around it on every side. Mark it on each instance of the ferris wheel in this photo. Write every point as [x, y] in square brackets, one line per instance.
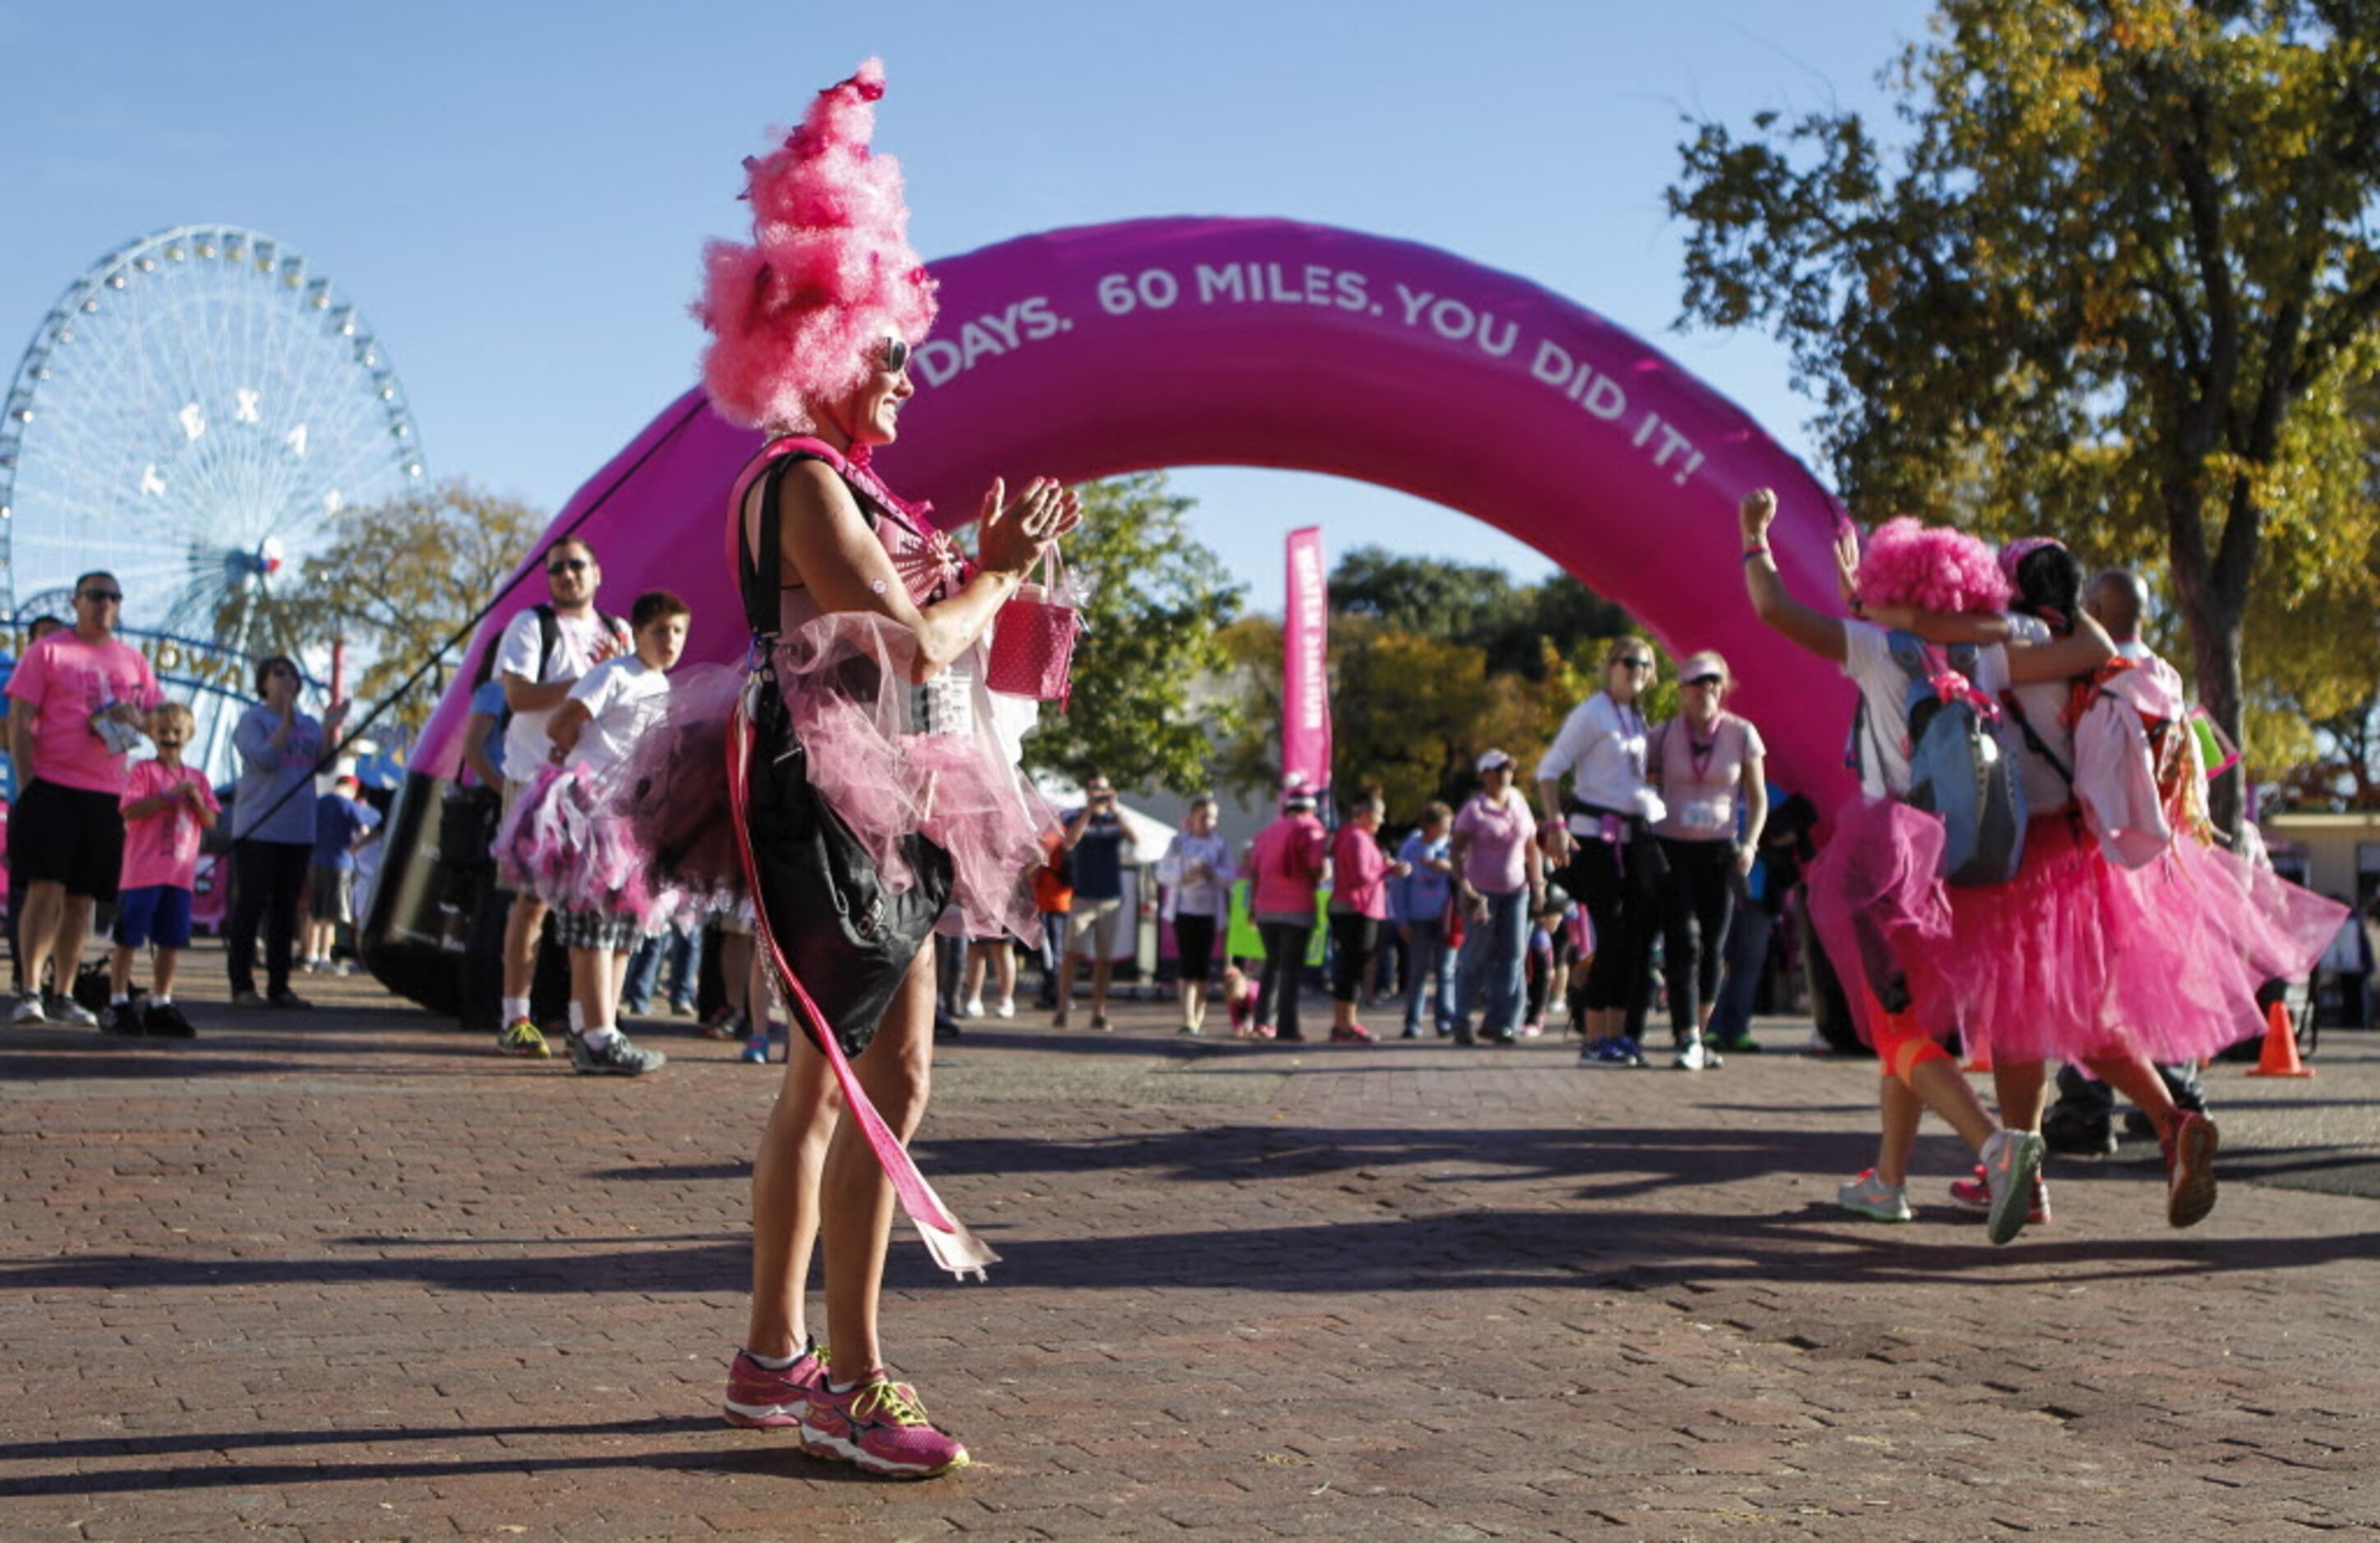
[190, 417]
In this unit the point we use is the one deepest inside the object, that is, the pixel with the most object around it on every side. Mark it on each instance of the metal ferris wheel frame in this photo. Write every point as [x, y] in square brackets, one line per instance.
[158, 442]
[189, 415]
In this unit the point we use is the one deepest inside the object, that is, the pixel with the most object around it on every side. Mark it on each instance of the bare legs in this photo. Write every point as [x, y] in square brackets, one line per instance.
[51, 930]
[595, 977]
[2137, 1079]
[2022, 1089]
[999, 960]
[523, 925]
[786, 1202]
[817, 1178]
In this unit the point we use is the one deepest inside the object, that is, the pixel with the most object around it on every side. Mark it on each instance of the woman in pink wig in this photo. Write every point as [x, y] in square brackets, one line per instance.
[1876, 894]
[871, 789]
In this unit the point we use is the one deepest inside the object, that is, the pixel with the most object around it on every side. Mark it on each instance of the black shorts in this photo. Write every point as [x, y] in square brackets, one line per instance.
[1194, 945]
[68, 835]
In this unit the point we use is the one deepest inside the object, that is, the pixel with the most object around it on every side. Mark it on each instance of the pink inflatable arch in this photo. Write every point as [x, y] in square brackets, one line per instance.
[1206, 342]
[1182, 342]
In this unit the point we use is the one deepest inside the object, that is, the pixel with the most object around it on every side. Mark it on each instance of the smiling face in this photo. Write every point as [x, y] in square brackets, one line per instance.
[1628, 671]
[870, 413]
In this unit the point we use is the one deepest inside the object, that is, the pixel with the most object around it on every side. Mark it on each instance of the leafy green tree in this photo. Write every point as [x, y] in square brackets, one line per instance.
[398, 580]
[2119, 284]
[1156, 604]
[1426, 595]
[1471, 603]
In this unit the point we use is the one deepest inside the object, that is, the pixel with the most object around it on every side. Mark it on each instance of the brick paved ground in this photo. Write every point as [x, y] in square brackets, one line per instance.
[354, 1276]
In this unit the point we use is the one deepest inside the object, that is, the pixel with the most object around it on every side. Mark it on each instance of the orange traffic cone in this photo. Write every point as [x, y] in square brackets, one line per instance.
[2280, 1056]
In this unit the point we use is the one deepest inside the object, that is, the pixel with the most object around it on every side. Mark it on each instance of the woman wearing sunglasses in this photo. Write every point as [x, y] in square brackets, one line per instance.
[1603, 832]
[1705, 761]
[866, 702]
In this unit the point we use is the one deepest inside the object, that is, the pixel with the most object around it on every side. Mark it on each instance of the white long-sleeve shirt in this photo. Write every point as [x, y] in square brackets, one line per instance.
[1602, 747]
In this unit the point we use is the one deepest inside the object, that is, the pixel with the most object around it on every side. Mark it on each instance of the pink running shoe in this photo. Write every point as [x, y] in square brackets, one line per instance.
[1354, 1034]
[1976, 1195]
[761, 1398]
[880, 1427]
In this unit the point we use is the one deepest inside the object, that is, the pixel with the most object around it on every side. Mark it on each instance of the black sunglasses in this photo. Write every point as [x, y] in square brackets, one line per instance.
[1634, 663]
[568, 565]
[896, 355]
[115, 595]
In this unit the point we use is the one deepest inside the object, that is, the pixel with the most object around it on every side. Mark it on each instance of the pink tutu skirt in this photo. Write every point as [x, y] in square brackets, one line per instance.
[890, 758]
[2087, 960]
[1880, 909]
[565, 843]
[846, 681]
[674, 796]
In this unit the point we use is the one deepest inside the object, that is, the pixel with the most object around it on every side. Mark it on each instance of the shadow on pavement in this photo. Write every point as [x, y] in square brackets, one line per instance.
[757, 1454]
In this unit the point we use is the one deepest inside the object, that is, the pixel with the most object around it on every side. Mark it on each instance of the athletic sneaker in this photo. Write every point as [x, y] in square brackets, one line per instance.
[1004, 1008]
[1741, 1044]
[1976, 1195]
[755, 1050]
[521, 1038]
[1872, 1197]
[288, 1001]
[29, 1011]
[728, 1025]
[162, 1020]
[759, 1398]
[1694, 1056]
[618, 1058]
[2189, 1170]
[1354, 1034]
[880, 1427]
[65, 1010]
[121, 1017]
[2011, 1161]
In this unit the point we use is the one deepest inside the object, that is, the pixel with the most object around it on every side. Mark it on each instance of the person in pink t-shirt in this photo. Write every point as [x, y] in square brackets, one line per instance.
[1287, 862]
[1499, 867]
[167, 807]
[1359, 904]
[79, 697]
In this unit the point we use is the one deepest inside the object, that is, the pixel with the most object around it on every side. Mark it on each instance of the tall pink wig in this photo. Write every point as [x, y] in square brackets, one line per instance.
[1931, 567]
[796, 318]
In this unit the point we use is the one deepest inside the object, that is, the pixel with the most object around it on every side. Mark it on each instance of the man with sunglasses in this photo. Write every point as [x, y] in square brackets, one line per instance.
[79, 693]
[543, 653]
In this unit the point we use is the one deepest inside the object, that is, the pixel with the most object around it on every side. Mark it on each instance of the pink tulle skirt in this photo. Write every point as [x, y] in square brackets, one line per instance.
[2088, 960]
[1878, 905]
[565, 843]
[846, 681]
[886, 773]
[674, 796]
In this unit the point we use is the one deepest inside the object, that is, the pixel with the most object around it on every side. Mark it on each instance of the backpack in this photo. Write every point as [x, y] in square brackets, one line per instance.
[2139, 772]
[1960, 766]
[549, 636]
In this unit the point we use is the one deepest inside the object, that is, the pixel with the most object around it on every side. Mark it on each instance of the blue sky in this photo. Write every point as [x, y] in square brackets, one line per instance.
[516, 194]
